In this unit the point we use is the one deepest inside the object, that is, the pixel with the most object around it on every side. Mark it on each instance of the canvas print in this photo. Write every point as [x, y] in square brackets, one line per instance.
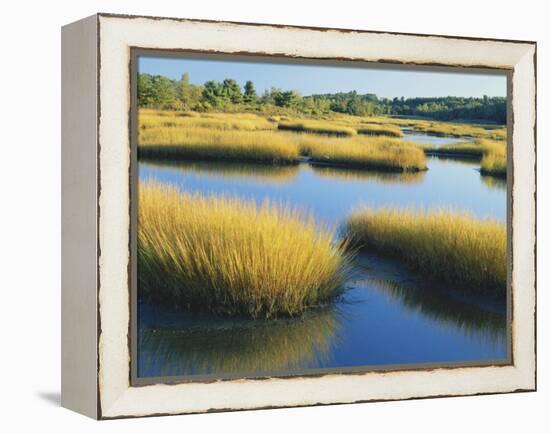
[297, 217]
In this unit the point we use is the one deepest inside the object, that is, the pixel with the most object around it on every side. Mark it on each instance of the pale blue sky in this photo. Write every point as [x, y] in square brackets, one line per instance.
[312, 79]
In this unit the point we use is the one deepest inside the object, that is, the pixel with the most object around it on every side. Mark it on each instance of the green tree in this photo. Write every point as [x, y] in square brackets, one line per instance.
[289, 99]
[249, 96]
[232, 91]
[184, 90]
[145, 91]
[308, 104]
[212, 94]
[163, 94]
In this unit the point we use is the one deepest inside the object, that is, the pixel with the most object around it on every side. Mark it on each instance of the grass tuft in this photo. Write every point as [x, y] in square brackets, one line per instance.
[317, 127]
[491, 152]
[380, 130]
[234, 257]
[451, 247]
[494, 165]
[366, 153]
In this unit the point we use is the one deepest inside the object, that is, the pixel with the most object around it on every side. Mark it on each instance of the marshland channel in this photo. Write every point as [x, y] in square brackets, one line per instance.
[387, 316]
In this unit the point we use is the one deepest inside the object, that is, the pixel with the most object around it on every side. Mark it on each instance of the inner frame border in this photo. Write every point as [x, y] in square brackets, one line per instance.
[136, 52]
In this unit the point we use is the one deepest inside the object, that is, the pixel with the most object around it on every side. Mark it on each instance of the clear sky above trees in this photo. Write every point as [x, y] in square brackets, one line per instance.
[314, 79]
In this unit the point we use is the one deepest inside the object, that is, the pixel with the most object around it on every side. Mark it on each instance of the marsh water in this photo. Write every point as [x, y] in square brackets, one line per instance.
[387, 315]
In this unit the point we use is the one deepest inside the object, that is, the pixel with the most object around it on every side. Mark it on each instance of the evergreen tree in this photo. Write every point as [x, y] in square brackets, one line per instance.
[250, 96]
[184, 91]
[232, 91]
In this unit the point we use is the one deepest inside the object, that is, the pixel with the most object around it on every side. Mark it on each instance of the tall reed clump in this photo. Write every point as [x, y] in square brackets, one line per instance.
[366, 153]
[456, 248]
[207, 144]
[317, 127]
[234, 257]
[475, 149]
[380, 130]
[494, 165]
[491, 152]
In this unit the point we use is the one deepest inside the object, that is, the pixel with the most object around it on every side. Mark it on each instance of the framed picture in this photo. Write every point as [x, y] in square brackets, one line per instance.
[261, 216]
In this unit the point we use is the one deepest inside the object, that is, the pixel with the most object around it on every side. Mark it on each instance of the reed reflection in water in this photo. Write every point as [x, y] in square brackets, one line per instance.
[494, 182]
[477, 317]
[202, 344]
[350, 174]
[261, 173]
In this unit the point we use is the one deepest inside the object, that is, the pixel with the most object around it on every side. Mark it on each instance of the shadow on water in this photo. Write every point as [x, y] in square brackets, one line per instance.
[262, 173]
[202, 344]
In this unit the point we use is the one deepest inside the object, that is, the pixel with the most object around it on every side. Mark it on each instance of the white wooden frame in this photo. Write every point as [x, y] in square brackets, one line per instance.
[96, 215]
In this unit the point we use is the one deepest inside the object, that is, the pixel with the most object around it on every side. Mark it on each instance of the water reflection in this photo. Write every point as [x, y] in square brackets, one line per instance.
[448, 306]
[263, 173]
[494, 182]
[350, 174]
[459, 159]
[202, 344]
[447, 312]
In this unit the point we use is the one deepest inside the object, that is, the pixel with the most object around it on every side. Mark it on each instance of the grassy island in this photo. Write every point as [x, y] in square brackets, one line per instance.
[492, 154]
[262, 147]
[453, 247]
[380, 130]
[494, 165]
[375, 153]
[317, 127]
[230, 256]
[252, 138]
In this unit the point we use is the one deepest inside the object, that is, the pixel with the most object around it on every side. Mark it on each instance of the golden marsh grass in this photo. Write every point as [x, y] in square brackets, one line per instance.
[317, 127]
[458, 130]
[453, 247]
[491, 152]
[380, 130]
[177, 137]
[204, 143]
[234, 257]
[156, 119]
[494, 164]
[379, 153]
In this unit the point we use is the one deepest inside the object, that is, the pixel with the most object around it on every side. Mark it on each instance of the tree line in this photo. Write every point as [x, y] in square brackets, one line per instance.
[157, 91]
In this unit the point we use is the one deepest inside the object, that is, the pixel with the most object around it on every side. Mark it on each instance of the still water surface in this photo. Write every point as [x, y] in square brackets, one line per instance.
[387, 316]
